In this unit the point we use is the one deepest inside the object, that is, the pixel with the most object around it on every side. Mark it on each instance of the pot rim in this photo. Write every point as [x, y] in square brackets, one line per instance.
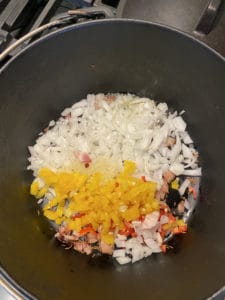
[112, 20]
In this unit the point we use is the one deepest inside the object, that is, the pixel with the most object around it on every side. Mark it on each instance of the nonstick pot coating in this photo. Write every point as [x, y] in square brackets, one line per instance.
[111, 56]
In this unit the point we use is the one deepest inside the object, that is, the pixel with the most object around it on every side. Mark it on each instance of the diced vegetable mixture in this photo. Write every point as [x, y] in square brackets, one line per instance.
[116, 174]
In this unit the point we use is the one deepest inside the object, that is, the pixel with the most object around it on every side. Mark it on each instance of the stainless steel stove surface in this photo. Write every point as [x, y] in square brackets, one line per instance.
[203, 19]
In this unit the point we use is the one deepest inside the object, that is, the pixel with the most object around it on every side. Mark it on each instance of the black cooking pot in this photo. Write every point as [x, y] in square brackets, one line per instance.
[111, 56]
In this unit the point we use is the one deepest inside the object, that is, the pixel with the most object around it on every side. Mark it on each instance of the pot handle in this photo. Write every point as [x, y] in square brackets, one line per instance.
[71, 17]
[206, 22]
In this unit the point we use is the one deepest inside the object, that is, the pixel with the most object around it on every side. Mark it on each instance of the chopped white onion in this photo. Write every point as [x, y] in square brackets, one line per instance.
[129, 128]
[120, 244]
[186, 138]
[164, 219]
[177, 169]
[137, 253]
[147, 251]
[133, 129]
[121, 237]
[184, 186]
[153, 245]
[66, 112]
[150, 220]
[119, 253]
[123, 260]
[51, 123]
[187, 204]
[195, 172]
[187, 153]
[179, 123]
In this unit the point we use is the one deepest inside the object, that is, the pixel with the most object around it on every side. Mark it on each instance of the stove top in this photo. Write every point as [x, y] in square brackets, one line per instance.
[204, 19]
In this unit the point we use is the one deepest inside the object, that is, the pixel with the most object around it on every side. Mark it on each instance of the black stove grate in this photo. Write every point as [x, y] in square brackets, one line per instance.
[204, 19]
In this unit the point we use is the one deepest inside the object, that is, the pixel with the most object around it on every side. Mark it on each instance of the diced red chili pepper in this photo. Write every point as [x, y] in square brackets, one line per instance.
[141, 218]
[162, 233]
[127, 224]
[77, 215]
[175, 230]
[180, 229]
[133, 234]
[143, 178]
[171, 218]
[128, 231]
[183, 228]
[162, 212]
[87, 229]
[163, 248]
[124, 232]
[193, 191]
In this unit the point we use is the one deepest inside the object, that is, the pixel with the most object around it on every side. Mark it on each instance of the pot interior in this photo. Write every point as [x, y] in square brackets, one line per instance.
[111, 56]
